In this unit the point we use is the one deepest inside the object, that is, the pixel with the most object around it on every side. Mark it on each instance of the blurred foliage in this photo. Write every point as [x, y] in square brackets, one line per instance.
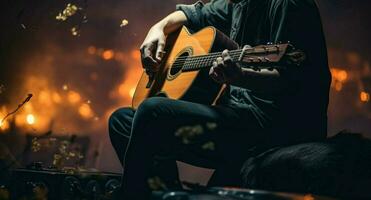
[4, 193]
[155, 184]
[69, 11]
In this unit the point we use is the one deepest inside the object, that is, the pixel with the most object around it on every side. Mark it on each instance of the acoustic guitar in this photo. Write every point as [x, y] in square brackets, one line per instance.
[183, 73]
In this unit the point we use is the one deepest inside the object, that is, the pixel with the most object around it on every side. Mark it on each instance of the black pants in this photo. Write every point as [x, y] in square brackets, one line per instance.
[215, 137]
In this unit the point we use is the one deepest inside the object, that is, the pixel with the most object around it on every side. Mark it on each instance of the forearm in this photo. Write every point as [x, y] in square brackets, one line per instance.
[172, 22]
[264, 80]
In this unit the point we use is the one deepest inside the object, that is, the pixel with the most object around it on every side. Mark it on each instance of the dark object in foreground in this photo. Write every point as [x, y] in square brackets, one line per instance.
[339, 166]
[237, 194]
[41, 183]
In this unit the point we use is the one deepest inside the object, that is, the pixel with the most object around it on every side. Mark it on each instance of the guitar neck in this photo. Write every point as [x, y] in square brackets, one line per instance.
[194, 63]
[262, 56]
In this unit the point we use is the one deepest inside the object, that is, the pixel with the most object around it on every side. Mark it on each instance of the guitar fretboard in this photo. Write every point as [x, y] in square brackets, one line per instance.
[193, 63]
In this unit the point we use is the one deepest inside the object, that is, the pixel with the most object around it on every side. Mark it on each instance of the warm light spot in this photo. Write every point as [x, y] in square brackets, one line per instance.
[28, 107]
[65, 87]
[44, 97]
[30, 119]
[56, 98]
[85, 111]
[92, 50]
[4, 125]
[339, 74]
[338, 86]
[124, 22]
[108, 54]
[135, 54]
[123, 90]
[308, 197]
[364, 96]
[73, 97]
[342, 75]
[131, 92]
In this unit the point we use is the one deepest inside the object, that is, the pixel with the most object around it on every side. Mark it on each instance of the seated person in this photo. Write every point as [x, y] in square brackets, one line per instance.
[259, 109]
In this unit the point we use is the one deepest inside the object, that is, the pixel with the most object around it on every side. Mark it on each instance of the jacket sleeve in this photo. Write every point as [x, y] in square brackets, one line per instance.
[217, 13]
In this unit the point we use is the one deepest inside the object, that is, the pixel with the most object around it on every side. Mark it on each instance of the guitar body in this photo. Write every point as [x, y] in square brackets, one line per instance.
[194, 86]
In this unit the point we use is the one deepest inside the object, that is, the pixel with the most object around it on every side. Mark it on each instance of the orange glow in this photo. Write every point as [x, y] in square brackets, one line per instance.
[131, 92]
[92, 50]
[85, 111]
[119, 56]
[73, 97]
[65, 87]
[44, 97]
[364, 96]
[56, 97]
[108, 54]
[135, 54]
[338, 86]
[342, 75]
[30, 119]
[28, 107]
[4, 125]
[308, 197]
[339, 74]
[123, 90]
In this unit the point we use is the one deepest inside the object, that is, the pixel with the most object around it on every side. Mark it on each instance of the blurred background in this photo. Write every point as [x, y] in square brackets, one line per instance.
[82, 64]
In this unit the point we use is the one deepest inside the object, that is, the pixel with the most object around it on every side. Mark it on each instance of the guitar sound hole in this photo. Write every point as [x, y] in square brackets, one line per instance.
[179, 63]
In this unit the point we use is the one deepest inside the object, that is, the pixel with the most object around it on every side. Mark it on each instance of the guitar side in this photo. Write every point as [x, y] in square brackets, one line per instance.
[195, 86]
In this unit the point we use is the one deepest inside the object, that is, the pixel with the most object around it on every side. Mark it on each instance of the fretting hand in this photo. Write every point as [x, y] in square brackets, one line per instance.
[225, 70]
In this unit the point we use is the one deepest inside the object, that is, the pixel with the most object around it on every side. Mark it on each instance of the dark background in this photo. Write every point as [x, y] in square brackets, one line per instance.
[77, 81]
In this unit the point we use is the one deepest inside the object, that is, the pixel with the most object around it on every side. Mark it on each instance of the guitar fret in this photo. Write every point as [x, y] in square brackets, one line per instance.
[205, 61]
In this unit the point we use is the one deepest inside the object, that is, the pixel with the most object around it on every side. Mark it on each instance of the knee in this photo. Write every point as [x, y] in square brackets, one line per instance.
[119, 123]
[151, 108]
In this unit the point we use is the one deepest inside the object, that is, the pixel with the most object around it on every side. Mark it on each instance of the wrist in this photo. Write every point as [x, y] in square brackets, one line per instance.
[161, 25]
[172, 22]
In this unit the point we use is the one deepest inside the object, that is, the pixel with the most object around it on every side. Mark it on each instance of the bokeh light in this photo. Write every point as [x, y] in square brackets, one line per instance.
[30, 119]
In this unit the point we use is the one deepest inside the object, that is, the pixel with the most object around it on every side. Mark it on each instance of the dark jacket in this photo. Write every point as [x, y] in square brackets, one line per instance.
[299, 113]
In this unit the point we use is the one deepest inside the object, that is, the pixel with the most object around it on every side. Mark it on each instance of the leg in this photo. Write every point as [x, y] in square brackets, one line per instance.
[119, 126]
[154, 125]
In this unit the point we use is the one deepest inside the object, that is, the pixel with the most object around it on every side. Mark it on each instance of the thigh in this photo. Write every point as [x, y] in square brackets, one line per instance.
[200, 134]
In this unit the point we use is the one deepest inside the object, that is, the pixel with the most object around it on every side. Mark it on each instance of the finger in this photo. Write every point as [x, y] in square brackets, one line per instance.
[227, 59]
[247, 47]
[160, 49]
[146, 57]
[149, 63]
[219, 62]
[218, 75]
[214, 75]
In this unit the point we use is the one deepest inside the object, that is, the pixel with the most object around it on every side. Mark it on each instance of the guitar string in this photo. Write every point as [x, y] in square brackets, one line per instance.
[184, 58]
[206, 61]
[201, 58]
[255, 50]
[196, 60]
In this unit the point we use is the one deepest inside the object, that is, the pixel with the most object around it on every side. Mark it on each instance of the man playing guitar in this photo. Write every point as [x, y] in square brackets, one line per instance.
[259, 109]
